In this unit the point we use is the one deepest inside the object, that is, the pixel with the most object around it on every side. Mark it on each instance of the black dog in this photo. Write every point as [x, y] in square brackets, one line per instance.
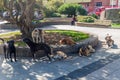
[9, 49]
[34, 47]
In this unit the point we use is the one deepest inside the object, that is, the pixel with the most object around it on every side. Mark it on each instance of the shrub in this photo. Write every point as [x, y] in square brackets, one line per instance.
[56, 15]
[72, 9]
[85, 19]
[48, 12]
[50, 9]
[95, 16]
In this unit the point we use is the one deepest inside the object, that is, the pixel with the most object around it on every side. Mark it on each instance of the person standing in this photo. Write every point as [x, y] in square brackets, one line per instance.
[74, 19]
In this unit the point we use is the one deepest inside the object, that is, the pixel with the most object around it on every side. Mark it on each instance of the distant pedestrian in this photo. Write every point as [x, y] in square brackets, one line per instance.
[74, 19]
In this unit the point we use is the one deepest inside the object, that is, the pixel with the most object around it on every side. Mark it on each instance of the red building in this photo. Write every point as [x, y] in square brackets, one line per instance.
[99, 5]
[93, 6]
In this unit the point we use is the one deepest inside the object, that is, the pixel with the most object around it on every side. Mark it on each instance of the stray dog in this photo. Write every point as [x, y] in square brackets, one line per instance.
[86, 50]
[5, 48]
[59, 55]
[91, 49]
[67, 41]
[37, 35]
[34, 47]
[9, 49]
[109, 41]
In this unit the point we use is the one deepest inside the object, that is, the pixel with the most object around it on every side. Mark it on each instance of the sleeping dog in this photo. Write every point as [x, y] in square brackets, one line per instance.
[59, 55]
[86, 50]
[67, 41]
[9, 49]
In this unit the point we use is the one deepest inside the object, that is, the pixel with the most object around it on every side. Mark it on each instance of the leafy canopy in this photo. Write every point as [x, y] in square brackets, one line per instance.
[72, 9]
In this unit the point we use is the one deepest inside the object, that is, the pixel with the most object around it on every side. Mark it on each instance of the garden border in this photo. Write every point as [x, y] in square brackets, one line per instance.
[25, 52]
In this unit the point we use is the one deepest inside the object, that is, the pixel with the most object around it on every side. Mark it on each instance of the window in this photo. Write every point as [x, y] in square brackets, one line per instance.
[98, 4]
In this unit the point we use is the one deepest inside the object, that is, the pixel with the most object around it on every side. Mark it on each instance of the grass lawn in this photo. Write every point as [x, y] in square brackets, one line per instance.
[13, 35]
[76, 36]
[115, 25]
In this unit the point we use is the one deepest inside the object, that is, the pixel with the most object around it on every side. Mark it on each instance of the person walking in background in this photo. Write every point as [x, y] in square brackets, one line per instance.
[74, 19]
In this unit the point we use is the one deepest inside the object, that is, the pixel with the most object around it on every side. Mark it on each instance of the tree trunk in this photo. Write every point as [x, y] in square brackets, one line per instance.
[24, 19]
[26, 30]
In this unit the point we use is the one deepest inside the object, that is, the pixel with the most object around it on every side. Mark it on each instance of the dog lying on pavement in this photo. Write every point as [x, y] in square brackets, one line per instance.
[67, 41]
[59, 55]
[86, 50]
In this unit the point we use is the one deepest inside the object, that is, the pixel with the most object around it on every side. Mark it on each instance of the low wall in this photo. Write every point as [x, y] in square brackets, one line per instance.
[48, 21]
[92, 25]
[53, 23]
[103, 22]
[93, 40]
[8, 26]
[63, 21]
[25, 52]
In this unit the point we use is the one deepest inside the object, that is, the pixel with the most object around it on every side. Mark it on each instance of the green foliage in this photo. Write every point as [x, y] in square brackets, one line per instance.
[115, 25]
[48, 12]
[85, 19]
[13, 35]
[56, 15]
[50, 9]
[95, 16]
[37, 21]
[72, 9]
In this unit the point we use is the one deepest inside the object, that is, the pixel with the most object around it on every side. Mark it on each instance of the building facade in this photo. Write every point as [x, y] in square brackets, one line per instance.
[92, 5]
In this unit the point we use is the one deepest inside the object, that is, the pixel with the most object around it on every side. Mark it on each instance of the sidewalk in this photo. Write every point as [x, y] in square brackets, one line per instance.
[102, 65]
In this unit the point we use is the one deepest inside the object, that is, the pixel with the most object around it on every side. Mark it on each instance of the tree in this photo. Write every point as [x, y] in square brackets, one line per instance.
[22, 13]
[72, 9]
[50, 8]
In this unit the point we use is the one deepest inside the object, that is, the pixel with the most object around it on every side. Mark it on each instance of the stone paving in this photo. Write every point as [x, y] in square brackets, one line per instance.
[102, 65]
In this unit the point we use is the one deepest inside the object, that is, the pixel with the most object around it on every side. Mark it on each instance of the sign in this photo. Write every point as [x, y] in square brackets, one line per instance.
[76, 1]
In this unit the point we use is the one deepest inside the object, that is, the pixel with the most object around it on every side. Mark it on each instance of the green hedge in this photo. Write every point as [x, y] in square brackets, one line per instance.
[72, 9]
[85, 19]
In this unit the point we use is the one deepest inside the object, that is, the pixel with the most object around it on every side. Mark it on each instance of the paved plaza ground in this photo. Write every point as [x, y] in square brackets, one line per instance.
[101, 65]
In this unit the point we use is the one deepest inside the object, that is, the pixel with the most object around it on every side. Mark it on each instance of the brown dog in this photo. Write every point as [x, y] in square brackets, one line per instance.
[86, 50]
[109, 40]
[67, 41]
[38, 35]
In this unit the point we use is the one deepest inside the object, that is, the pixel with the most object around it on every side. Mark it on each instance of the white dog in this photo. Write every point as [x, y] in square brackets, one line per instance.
[38, 35]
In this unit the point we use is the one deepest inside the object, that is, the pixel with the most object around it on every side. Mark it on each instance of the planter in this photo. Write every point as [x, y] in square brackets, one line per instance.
[25, 52]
